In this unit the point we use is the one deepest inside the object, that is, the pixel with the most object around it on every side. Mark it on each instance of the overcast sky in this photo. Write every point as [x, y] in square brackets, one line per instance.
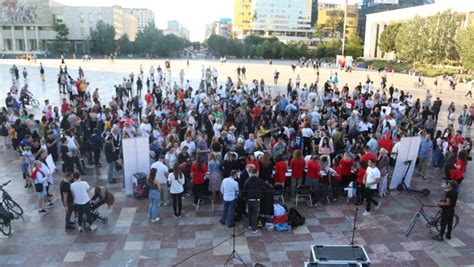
[194, 14]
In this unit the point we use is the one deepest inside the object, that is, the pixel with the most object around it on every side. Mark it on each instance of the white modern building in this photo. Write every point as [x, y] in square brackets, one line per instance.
[377, 22]
[289, 20]
[81, 20]
[144, 17]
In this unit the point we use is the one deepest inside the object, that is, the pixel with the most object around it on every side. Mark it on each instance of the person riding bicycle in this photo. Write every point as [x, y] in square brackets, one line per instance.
[25, 96]
[447, 206]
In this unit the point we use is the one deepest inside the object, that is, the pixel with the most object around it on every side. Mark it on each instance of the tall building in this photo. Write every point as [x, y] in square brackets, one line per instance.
[375, 6]
[378, 22]
[288, 20]
[144, 17]
[243, 17]
[314, 12]
[174, 27]
[222, 27]
[328, 13]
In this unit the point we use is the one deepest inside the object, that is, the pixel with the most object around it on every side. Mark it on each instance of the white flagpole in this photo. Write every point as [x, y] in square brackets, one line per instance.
[344, 28]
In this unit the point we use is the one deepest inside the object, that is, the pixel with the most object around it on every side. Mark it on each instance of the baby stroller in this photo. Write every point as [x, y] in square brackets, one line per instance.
[101, 196]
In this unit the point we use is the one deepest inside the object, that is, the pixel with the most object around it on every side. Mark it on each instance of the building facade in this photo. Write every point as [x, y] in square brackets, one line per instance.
[328, 13]
[376, 23]
[243, 17]
[288, 20]
[174, 27]
[376, 6]
[27, 26]
[222, 27]
[144, 17]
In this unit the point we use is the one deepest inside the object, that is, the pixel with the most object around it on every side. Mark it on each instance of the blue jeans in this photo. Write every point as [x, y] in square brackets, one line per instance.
[110, 172]
[229, 208]
[154, 198]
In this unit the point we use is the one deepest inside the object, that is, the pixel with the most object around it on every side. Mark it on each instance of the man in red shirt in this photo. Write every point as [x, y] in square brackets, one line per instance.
[368, 156]
[64, 106]
[386, 142]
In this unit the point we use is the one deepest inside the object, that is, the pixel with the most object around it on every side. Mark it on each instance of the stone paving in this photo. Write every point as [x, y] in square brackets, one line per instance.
[129, 239]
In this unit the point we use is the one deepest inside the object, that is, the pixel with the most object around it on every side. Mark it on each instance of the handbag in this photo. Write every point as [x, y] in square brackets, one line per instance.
[39, 187]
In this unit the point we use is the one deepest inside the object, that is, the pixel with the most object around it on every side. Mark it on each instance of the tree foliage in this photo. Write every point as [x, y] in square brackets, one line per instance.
[354, 46]
[61, 44]
[125, 47]
[102, 39]
[465, 45]
[428, 40]
[387, 41]
[151, 41]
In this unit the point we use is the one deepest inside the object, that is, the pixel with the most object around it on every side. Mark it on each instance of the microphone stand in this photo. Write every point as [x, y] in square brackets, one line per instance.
[234, 254]
[354, 225]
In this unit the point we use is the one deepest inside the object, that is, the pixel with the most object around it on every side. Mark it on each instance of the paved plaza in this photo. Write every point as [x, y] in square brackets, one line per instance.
[129, 239]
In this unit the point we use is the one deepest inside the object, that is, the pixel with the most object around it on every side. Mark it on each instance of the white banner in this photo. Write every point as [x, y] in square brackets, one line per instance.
[407, 152]
[136, 158]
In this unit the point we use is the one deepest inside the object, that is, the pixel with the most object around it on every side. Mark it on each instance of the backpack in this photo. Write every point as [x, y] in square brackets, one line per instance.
[295, 218]
[4, 131]
[109, 198]
[140, 187]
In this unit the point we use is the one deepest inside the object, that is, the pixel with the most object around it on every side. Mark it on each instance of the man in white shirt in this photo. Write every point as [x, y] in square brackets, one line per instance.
[371, 179]
[190, 144]
[229, 190]
[80, 192]
[162, 176]
[145, 128]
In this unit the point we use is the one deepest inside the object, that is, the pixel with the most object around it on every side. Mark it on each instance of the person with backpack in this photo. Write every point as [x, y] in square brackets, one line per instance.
[175, 183]
[41, 182]
[154, 188]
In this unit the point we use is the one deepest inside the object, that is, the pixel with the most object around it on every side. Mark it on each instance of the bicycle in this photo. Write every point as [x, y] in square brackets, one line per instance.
[430, 221]
[8, 203]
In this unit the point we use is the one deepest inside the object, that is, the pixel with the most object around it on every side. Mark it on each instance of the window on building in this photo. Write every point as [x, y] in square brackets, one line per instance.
[99, 17]
[82, 18]
[20, 44]
[32, 45]
[91, 18]
[18, 28]
[7, 44]
[82, 30]
[6, 27]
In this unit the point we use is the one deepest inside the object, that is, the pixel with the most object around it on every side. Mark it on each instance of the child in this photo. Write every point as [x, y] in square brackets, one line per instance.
[26, 166]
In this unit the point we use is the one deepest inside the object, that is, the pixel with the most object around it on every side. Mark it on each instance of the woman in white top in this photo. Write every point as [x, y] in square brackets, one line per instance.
[176, 182]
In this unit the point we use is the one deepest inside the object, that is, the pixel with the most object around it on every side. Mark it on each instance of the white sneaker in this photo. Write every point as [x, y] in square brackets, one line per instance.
[92, 227]
[155, 220]
[366, 213]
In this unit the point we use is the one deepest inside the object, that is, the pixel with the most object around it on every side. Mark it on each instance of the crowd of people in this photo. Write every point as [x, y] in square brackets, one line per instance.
[234, 139]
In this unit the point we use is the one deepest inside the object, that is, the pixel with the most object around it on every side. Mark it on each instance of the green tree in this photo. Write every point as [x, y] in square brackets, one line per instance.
[102, 39]
[412, 40]
[464, 46]
[387, 41]
[354, 46]
[170, 45]
[61, 43]
[147, 40]
[217, 45]
[125, 47]
[441, 29]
